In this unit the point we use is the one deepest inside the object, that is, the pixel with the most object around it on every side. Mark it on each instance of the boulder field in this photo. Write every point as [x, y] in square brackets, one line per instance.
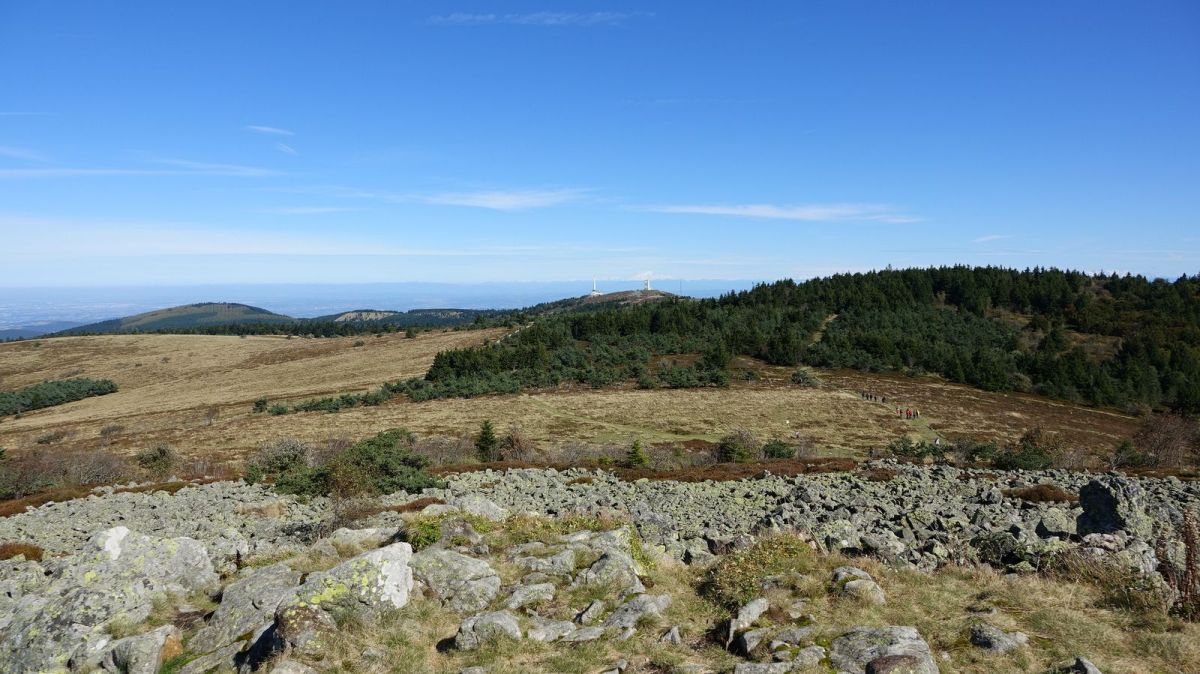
[94, 601]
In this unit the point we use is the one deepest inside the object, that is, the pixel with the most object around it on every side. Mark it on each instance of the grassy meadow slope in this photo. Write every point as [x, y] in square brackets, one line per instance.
[195, 392]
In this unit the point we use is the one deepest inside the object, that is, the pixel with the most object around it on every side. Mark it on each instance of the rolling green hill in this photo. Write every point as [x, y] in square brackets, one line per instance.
[188, 316]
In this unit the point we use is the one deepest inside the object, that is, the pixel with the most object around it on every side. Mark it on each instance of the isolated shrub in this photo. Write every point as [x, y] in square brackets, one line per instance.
[304, 480]
[778, 449]
[359, 342]
[636, 456]
[905, 446]
[517, 445]
[805, 377]
[1126, 455]
[277, 410]
[1036, 450]
[737, 577]
[52, 437]
[973, 451]
[107, 433]
[383, 464]
[282, 455]
[158, 461]
[738, 446]
[487, 446]
[1183, 578]
[1170, 440]
[260, 405]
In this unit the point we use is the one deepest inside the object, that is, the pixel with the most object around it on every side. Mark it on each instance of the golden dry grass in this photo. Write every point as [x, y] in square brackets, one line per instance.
[168, 384]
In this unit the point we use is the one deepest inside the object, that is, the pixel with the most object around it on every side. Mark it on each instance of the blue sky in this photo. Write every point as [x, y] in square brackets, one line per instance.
[150, 143]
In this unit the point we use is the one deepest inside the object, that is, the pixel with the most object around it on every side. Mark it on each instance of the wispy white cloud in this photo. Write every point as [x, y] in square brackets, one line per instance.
[538, 18]
[497, 199]
[286, 149]
[992, 237]
[269, 130]
[803, 212]
[179, 167]
[305, 210]
[504, 200]
[22, 153]
[205, 168]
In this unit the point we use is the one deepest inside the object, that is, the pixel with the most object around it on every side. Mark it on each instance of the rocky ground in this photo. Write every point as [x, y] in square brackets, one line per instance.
[586, 573]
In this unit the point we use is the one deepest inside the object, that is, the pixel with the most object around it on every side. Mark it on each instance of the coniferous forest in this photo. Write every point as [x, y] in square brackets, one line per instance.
[1121, 341]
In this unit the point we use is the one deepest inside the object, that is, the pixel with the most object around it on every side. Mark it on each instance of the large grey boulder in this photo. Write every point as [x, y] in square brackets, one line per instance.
[373, 581]
[860, 650]
[523, 595]
[856, 583]
[473, 504]
[1114, 503]
[246, 604]
[459, 582]
[615, 569]
[366, 585]
[143, 653]
[746, 616]
[114, 577]
[631, 612]
[480, 629]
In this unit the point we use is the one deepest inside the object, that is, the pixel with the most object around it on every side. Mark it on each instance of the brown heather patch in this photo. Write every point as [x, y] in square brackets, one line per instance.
[880, 475]
[582, 480]
[17, 506]
[10, 550]
[1042, 493]
[410, 507]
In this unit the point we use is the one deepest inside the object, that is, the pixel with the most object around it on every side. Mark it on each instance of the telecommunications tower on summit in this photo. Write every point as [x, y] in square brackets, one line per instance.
[594, 293]
[647, 281]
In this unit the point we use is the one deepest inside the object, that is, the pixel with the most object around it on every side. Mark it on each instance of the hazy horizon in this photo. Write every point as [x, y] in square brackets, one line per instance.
[31, 306]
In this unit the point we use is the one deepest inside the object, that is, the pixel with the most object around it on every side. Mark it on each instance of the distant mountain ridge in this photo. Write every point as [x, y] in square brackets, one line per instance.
[187, 316]
[214, 316]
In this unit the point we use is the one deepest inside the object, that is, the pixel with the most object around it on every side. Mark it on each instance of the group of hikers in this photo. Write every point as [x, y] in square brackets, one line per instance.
[902, 412]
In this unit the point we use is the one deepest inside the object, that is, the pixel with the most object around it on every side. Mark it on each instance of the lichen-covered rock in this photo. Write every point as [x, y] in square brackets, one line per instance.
[1114, 503]
[545, 630]
[524, 595]
[857, 649]
[853, 582]
[372, 582]
[746, 616]
[459, 582]
[614, 569]
[245, 605]
[114, 577]
[480, 629]
[995, 639]
[143, 653]
[636, 609]
[479, 506]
